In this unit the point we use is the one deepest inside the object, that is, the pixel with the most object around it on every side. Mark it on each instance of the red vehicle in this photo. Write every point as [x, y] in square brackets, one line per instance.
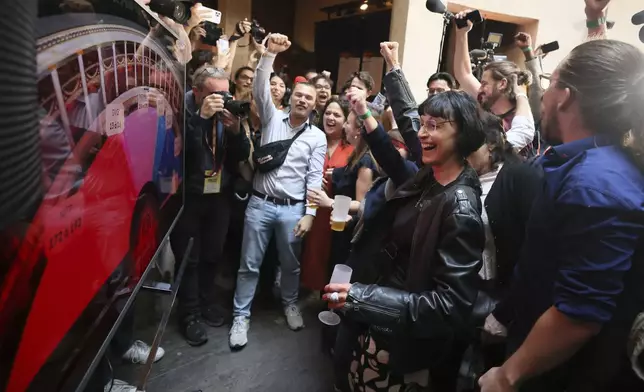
[111, 98]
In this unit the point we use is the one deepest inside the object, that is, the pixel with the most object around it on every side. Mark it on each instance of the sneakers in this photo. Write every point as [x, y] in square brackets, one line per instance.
[238, 336]
[139, 352]
[212, 316]
[193, 331]
[119, 386]
[294, 317]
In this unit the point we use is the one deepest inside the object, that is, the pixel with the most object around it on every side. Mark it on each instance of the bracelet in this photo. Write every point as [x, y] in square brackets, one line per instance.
[366, 115]
[527, 49]
[596, 23]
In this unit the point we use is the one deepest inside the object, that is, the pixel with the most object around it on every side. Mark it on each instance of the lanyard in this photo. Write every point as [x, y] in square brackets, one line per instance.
[213, 147]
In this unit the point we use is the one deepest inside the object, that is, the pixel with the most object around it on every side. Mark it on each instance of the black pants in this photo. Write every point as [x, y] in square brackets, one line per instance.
[206, 219]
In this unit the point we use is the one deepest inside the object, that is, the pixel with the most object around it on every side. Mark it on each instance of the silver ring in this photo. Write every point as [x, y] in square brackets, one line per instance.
[334, 297]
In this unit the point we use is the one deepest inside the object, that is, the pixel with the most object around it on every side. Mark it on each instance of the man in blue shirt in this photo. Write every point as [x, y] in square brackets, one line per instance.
[578, 282]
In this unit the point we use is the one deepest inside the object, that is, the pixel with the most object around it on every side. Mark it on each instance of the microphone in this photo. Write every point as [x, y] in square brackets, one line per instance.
[637, 19]
[478, 54]
[436, 6]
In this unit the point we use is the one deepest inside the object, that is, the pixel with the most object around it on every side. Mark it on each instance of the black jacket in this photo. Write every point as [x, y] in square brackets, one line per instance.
[237, 149]
[429, 313]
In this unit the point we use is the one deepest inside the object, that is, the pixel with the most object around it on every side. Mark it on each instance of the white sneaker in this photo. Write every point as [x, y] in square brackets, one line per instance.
[119, 386]
[238, 336]
[294, 317]
[139, 352]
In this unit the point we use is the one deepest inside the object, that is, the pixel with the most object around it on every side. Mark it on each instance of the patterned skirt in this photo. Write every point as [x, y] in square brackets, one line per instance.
[370, 371]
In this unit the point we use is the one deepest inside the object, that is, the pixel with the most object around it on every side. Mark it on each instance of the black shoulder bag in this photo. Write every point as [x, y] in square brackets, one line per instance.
[272, 155]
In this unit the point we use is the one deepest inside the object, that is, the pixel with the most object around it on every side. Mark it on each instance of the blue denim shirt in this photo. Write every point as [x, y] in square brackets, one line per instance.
[581, 236]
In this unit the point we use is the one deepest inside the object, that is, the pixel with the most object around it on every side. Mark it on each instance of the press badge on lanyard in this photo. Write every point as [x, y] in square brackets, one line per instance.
[212, 182]
[212, 178]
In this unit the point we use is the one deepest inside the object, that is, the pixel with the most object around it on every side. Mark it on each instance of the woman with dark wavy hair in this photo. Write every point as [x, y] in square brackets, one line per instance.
[417, 256]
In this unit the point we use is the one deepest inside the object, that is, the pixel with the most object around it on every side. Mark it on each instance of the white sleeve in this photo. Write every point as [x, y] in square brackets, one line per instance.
[262, 89]
[316, 167]
[521, 133]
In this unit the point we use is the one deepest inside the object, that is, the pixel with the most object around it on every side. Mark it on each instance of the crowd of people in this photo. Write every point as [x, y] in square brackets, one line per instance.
[495, 228]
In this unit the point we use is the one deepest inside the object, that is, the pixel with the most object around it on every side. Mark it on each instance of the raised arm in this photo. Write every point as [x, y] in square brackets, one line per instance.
[521, 132]
[402, 101]
[596, 11]
[277, 43]
[392, 163]
[532, 63]
[462, 64]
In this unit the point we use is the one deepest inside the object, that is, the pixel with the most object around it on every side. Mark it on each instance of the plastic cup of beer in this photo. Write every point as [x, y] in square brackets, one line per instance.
[340, 214]
[341, 274]
[310, 204]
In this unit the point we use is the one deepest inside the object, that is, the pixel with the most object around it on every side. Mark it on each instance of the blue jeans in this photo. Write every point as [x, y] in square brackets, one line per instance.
[264, 218]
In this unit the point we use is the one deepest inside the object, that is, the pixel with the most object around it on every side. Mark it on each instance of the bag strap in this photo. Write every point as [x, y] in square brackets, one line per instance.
[299, 133]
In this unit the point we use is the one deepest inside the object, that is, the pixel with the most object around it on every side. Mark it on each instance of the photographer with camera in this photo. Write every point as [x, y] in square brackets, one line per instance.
[495, 91]
[214, 147]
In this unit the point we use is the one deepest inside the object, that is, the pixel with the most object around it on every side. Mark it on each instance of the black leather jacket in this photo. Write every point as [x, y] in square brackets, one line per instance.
[429, 312]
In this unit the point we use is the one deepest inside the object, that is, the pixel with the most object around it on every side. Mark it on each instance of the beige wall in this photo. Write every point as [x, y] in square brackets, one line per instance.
[232, 12]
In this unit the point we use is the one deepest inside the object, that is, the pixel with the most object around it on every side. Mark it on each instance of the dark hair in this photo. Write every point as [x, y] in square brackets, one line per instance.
[344, 106]
[287, 91]
[242, 69]
[314, 80]
[501, 151]
[463, 110]
[364, 77]
[503, 70]
[606, 78]
[444, 76]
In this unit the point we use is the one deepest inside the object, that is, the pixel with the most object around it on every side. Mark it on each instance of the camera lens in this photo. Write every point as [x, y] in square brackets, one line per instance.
[180, 14]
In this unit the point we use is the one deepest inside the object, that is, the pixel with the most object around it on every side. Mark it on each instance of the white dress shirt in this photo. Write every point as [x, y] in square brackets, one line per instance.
[488, 271]
[304, 162]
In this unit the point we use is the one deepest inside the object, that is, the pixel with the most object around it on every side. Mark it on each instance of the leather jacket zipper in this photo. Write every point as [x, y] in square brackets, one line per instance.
[376, 309]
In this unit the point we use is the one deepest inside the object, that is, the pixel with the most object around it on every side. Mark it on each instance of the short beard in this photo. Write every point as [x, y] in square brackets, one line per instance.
[487, 105]
[551, 131]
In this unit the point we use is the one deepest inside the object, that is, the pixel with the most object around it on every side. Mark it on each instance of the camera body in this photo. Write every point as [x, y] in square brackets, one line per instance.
[257, 32]
[213, 33]
[237, 108]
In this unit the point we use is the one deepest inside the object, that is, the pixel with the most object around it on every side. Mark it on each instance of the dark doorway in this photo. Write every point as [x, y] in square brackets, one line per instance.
[354, 36]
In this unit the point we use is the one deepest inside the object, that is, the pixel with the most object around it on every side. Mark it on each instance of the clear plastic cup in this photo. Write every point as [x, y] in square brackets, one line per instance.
[340, 213]
[341, 274]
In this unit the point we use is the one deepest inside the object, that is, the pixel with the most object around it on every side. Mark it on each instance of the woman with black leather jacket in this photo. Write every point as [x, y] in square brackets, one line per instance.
[417, 257]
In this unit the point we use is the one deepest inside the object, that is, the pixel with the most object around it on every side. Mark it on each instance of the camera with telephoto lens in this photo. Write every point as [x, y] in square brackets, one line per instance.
[178, 10]
[257, 32]
[237, 108]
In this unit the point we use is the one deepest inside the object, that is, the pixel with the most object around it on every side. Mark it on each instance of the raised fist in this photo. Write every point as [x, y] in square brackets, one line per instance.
[389, 51]
[462, 15]
[278, 43]
[523, 40]
[595, 9]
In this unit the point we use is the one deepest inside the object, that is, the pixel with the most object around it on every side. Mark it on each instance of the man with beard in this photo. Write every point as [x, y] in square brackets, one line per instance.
[495, 91]
[577, 287]
[277, 205]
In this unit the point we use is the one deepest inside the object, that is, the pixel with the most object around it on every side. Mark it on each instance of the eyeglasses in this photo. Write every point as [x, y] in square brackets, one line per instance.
[322, 87]
[434, 91]
[433, 125]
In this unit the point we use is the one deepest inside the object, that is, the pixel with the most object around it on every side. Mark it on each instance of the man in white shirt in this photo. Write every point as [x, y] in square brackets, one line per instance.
[278, 202]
